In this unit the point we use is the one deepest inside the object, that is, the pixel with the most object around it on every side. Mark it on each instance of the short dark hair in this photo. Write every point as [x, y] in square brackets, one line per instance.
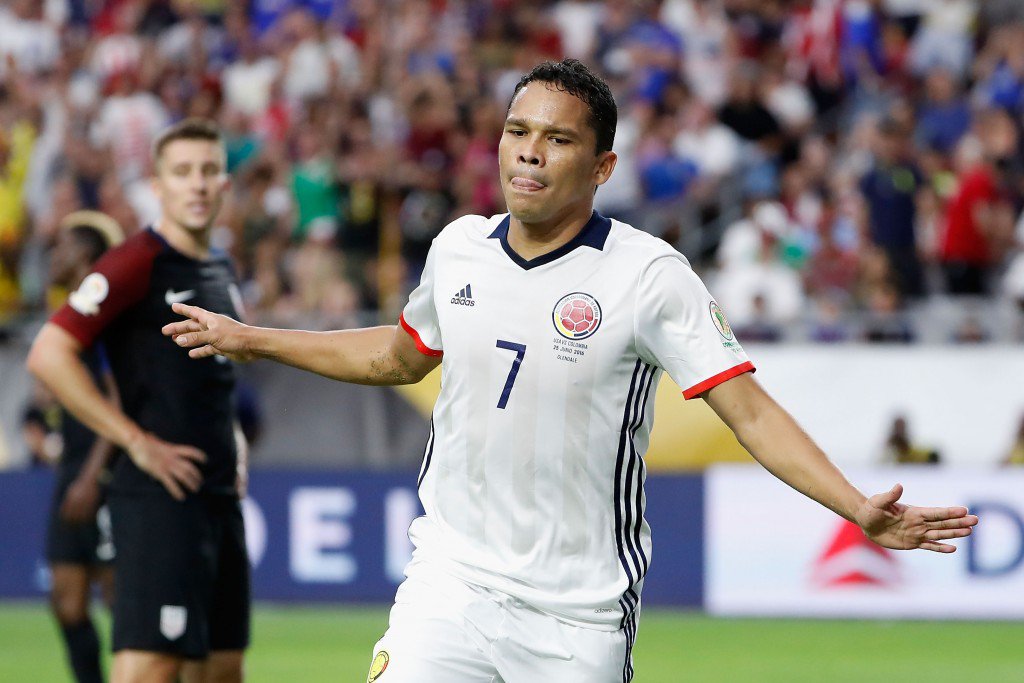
[187, 129]
[90, 239]
[573, 76]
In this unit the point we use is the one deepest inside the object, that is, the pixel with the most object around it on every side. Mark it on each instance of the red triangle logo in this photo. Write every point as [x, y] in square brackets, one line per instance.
[851, 559]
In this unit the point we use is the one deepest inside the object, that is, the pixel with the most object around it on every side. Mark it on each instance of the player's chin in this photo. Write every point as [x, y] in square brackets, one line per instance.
[527, 209]
[197, 223]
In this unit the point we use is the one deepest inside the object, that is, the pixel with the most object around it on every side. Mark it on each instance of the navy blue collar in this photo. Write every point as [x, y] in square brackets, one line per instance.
[594, 234]
[215, 254]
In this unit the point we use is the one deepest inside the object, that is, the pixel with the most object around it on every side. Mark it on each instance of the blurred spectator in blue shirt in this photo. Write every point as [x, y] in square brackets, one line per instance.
[890, 189]
[944, 116]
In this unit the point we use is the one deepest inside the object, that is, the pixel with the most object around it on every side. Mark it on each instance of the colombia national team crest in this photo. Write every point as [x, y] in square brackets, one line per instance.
[576, 316]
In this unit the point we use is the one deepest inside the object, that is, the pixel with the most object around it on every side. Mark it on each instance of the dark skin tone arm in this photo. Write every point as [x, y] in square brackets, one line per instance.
[83, 496]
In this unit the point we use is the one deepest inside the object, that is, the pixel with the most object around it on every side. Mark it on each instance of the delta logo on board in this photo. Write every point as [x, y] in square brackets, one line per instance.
[852, 560]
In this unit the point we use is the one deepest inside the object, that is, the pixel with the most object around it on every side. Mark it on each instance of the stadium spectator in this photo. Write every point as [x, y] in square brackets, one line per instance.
[31, 43]
[1015, 455]
[833, 256]
[744, 112]
[751, 268]
[891, 189]
[16, 141]
[248, 80]
[887, 322]
[900, 450]
[709, 46]
[979, 219]
[711, 146]
[944, 37]
[760, 327]
[828, 326]
[944, 116]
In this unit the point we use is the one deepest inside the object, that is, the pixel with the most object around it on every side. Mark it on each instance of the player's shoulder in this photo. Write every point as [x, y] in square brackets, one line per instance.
[468, 229]
[145, 242]
[640, 248]
[136, 254]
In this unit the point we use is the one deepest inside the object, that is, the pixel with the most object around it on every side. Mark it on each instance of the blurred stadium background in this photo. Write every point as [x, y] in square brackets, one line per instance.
[847, 176]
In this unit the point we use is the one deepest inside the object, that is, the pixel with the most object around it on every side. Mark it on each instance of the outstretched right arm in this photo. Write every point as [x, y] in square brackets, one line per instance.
[384, 355]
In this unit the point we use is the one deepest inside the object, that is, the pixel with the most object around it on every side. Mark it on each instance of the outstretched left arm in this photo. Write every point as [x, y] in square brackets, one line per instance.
[776, 441]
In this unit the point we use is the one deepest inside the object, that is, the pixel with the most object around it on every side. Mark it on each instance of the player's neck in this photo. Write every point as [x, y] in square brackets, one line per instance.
[531, 240]
[192, 243]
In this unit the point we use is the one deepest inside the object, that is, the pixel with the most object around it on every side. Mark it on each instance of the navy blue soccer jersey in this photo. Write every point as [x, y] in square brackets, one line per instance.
[123, 303]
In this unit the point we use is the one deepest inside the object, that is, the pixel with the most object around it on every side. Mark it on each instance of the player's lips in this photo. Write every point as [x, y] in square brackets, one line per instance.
[526, 184]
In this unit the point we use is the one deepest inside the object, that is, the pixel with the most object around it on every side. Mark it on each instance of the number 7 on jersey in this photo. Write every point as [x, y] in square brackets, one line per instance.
[520, 350]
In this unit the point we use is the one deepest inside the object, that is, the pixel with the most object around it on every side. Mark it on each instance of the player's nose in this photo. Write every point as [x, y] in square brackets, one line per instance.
[197, 183]
[530, 154]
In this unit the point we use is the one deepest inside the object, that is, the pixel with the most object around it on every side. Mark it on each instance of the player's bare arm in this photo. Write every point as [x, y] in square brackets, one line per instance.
[776, 441]
[242, 466]
[54, 359]
[383, 355]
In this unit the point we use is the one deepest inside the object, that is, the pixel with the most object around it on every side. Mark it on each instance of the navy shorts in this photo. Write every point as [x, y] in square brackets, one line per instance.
[181, 580]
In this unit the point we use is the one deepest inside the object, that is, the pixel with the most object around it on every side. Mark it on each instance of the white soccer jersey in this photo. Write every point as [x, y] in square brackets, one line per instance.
[533, 474]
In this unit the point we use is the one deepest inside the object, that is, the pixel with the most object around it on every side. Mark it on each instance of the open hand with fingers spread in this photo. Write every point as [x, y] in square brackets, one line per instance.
[173, 465]
[206, 334]
[892, 524]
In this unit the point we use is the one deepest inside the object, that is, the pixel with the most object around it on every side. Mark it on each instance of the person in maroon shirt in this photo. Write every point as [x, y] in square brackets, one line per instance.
[181, 570]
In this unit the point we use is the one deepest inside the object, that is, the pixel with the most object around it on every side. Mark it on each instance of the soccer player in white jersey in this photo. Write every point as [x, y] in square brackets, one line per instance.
[552, 325]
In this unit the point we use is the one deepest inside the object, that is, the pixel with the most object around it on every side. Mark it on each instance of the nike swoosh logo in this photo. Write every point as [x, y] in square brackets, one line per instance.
[172, 297]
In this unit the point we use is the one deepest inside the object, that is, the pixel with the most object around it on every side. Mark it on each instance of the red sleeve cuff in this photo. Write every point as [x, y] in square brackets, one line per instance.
[423, 348]
[712, 382]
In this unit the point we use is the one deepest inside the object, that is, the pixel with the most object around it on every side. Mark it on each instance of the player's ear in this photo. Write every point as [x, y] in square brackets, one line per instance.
[604, 166]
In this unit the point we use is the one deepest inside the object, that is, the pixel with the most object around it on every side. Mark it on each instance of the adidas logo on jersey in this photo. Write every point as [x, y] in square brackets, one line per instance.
[464, 297]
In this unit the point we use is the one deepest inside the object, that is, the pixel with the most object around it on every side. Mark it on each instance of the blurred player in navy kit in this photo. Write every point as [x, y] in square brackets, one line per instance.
[78, 544]
[181, 570]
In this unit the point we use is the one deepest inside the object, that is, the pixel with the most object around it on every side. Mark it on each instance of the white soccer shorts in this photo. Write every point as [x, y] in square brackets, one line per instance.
[444, 630]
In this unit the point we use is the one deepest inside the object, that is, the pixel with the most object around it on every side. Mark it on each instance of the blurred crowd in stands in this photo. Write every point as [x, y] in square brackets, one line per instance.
[837, 170]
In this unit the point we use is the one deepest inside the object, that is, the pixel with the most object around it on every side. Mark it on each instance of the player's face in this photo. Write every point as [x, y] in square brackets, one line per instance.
[64, 259]
[547, 159]
[190, 181]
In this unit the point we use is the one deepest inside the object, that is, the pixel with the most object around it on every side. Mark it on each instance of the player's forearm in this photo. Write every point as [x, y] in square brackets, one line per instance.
[99, 456]
[58, 366]
[362, 356]
[777, 442]
[102, 449]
